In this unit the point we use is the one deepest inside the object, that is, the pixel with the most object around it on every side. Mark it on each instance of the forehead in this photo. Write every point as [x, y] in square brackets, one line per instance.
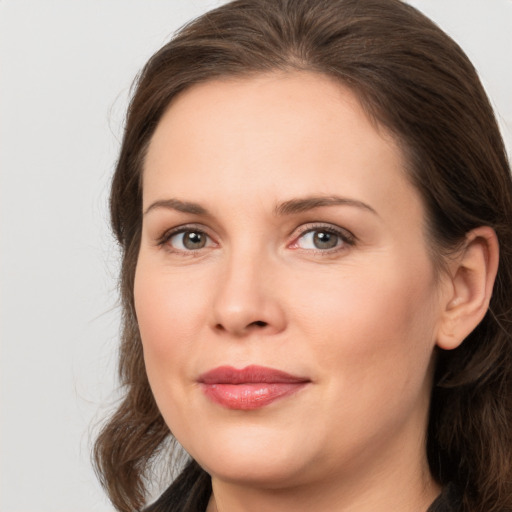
[261, 106]
[277, 134]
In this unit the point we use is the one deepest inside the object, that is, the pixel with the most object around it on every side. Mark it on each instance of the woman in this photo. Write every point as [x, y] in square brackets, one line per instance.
[315, 210]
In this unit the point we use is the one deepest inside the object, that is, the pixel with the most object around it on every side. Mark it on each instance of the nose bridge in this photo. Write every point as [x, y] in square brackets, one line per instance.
[245, 299]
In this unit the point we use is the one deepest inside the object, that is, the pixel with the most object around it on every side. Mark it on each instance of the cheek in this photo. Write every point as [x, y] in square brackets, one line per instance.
[372, 325]
[171, 312]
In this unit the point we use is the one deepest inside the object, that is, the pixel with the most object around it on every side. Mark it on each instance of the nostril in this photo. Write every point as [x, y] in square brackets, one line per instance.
[258, 323]
[242, 328]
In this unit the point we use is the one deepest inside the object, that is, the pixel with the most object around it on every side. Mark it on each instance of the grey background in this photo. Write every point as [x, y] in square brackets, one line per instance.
[65, 72]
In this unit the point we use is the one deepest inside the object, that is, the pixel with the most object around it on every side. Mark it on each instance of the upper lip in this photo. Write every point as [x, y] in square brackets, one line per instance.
[248, 375]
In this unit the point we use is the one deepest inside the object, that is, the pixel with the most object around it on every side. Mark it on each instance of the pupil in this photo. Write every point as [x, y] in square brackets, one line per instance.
[194, 240]
[324, 240]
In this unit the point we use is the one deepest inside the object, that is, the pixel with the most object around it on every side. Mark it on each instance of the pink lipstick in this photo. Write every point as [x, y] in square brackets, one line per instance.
[249, 388]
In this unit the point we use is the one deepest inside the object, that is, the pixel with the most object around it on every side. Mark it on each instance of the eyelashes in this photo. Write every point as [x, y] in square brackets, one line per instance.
[318, 238]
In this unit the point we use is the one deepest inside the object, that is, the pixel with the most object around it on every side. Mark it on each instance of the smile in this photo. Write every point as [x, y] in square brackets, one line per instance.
[249, 388]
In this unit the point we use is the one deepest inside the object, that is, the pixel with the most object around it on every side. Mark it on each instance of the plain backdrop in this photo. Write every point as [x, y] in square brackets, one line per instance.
[66, 67]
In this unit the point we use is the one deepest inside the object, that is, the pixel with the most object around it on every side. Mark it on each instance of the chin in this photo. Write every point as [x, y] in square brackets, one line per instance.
[254, 456]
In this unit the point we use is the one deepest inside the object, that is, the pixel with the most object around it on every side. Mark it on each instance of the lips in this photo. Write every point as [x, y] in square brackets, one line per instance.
[252, 387]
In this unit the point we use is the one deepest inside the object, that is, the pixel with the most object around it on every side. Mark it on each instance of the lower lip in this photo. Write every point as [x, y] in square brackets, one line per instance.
[251, 395]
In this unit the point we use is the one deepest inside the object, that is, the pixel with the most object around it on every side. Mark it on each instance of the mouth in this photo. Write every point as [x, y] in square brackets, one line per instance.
[252, 387]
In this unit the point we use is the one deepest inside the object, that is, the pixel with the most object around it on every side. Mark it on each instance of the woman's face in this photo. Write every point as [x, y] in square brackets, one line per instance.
[286, 301]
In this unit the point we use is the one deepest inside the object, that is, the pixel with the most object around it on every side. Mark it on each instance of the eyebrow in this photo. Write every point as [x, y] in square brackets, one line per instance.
[300, 205]
[293, 206]
[180, 206]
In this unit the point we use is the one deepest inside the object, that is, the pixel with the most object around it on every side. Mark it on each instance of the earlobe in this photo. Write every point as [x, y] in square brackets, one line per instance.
[471, 280]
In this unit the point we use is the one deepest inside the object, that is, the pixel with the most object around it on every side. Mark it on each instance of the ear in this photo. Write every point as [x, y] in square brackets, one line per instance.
[470, 282]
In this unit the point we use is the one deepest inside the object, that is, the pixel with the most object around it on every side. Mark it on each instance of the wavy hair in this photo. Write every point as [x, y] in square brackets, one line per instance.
[416, 82]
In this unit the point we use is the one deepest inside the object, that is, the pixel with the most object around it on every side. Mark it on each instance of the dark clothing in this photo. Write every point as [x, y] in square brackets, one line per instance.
[448, 501]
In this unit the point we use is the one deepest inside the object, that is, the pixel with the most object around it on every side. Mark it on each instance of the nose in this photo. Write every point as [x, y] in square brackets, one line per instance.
[247, 298]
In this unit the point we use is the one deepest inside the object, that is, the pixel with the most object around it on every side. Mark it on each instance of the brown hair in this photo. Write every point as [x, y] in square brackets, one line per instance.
[415, 81]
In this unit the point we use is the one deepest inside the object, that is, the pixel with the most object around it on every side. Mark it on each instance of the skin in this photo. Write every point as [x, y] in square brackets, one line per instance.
[360, 320]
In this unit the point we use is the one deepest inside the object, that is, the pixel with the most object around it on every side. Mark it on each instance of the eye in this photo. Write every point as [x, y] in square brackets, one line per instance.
[318, 239]
[323, 238]
[187, 240]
